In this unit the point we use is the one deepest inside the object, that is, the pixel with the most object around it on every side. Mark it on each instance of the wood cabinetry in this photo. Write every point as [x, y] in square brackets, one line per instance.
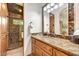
[38, 51]
[58, 53]
[44, 47]
[33, 47]
[40, 48]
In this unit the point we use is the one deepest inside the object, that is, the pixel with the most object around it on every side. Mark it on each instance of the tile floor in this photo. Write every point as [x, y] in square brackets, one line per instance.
[15, 52]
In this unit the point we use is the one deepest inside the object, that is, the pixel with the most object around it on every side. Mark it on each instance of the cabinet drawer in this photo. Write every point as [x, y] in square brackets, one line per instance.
[59, 53]
[45, 47]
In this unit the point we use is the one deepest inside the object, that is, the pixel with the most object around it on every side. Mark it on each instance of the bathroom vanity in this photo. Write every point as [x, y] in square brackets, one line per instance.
[50, 46]
[60, 24]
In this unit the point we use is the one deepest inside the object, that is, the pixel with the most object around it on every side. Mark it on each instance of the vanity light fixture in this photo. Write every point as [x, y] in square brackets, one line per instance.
[52, 4]
[55, 7]
[52, 9]
[48, 6]
[48, 10]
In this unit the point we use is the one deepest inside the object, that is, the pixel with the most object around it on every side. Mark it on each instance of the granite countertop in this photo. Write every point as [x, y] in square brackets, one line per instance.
[60, 43]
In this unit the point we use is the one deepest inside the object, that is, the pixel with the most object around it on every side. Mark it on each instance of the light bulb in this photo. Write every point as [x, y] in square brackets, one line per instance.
[48, 6]
[52, 9]
[56, 6]
[48, 10]
[52, 4]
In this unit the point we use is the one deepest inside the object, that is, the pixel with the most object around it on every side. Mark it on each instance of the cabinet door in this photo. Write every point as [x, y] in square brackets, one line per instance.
[47, 49]
[33, 51]
[59, 53]
[45, 54]
[44, 47]
[38, 51]
[33, 47]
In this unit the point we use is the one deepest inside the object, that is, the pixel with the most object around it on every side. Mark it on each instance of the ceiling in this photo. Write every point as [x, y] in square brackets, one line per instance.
[41, 4]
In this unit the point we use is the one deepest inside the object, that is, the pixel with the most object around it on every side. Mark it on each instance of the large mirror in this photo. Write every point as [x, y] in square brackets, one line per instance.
[55, 16]
[63, 17]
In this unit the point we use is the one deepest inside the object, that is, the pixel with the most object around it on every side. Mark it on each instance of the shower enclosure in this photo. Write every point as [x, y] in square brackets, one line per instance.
[15, 26]
[15, 34]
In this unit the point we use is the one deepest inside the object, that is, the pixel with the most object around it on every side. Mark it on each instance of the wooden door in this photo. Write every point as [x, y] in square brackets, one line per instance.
[52, 24]
[3, 45]
[0, 35]
[3, 28]
[4, 34]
